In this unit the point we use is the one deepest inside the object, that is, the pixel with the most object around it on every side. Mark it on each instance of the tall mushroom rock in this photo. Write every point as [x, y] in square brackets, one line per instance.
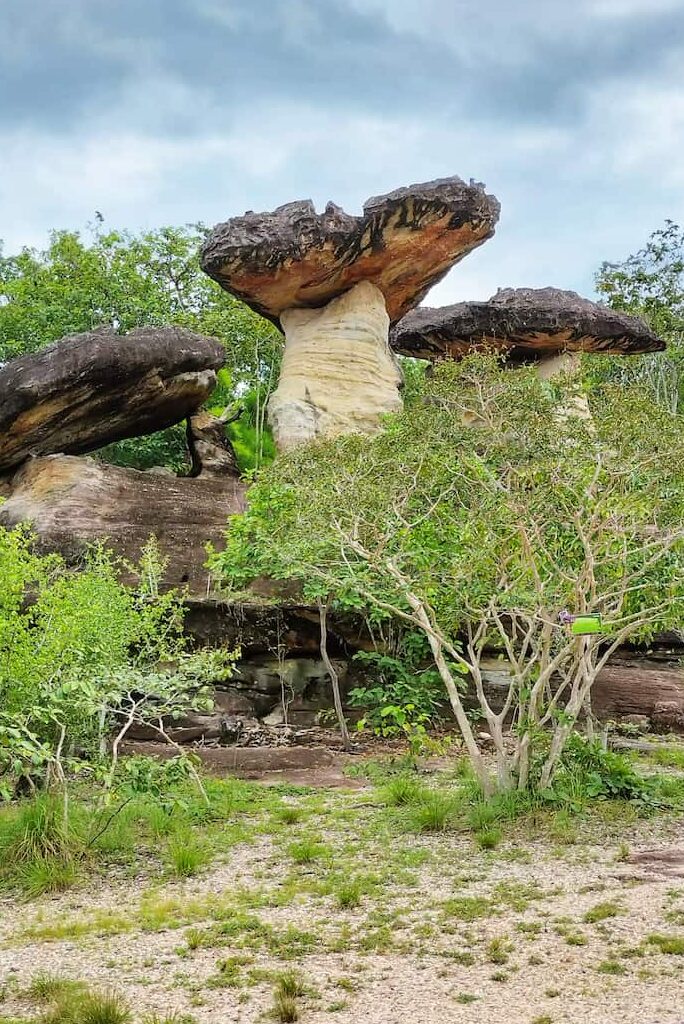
[546, 326]
[334, 283]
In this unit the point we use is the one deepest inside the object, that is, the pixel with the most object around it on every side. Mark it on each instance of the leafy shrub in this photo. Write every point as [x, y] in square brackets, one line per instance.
[80, 655]
[403, 694]
[587, 771]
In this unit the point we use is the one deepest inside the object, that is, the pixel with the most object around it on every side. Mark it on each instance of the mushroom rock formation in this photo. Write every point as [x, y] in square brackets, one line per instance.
[88, 390]
[525, 324]
[71, 502]
[334, 282]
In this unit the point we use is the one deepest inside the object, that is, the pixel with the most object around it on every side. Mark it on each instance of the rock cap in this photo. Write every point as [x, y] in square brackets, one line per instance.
[523, 323]
[403, 243]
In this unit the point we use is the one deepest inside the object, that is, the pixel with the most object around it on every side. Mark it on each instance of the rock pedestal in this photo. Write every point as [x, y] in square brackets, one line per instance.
[338, 374]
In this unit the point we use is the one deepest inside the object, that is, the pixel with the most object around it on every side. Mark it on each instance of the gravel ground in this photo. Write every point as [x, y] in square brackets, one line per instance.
[431, 967]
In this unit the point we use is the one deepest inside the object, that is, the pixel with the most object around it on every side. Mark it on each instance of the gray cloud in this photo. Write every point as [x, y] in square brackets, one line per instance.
[69, 60]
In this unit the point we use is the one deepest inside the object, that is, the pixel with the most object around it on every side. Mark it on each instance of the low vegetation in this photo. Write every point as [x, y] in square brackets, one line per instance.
[284, 924]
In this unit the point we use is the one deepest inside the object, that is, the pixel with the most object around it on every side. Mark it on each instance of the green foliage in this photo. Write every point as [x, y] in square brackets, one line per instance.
[167, 448]
[671, 944]
[650, 283]
[478, 516]
[402, 693]
[587, 771]
[82, 656]
[187, 855]
[602, 912]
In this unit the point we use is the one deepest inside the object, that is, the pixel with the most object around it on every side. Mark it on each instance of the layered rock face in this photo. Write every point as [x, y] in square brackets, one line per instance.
[338, 374]
[71, 502]
[88, 390]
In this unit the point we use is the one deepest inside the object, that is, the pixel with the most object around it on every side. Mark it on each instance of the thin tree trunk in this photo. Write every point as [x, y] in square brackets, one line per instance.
[476, 758]
[332, 672]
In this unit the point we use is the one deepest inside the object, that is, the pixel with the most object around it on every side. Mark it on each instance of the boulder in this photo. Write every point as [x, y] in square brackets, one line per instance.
[641, 686]
[88, 390]
[71, 502]
[668, 715]
[211, 452]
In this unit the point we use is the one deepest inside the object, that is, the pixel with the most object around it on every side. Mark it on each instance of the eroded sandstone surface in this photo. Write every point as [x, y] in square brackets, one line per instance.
[404, 242]
[338, 374]
[71, 502]
[88, 390]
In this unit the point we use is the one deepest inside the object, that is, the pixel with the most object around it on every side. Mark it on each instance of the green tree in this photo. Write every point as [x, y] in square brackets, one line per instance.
[650, 283]
[125, 281]
[480, 536]
[82, 655]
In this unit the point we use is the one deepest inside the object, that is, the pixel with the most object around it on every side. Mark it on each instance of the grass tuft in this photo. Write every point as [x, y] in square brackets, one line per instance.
[187, 855]
[306, 851]
[433, 812]
[46, 875]
[602, 911]
[611, 967]
[80, 1007]
[488, 838]
[403, 792]
[349, 895]
[289, 988]
[672, 944]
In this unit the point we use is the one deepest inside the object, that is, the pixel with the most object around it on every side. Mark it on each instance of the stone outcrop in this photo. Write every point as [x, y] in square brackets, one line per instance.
[334, 282]
[88, 390]
[635, 686]
[73, 501]
[639, 684]
[338, 374]
[523, 324]
[210, 450]
[404, 242]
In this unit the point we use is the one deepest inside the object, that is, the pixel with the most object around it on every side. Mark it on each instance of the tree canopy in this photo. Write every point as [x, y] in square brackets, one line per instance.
[650, 283]
[479, 516]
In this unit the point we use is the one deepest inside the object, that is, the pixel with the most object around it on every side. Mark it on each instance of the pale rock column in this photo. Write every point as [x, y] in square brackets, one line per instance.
[338, 373]
[557, 365]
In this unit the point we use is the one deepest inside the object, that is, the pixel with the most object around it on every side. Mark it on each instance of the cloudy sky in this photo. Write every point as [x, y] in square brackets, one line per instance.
[171, 111]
